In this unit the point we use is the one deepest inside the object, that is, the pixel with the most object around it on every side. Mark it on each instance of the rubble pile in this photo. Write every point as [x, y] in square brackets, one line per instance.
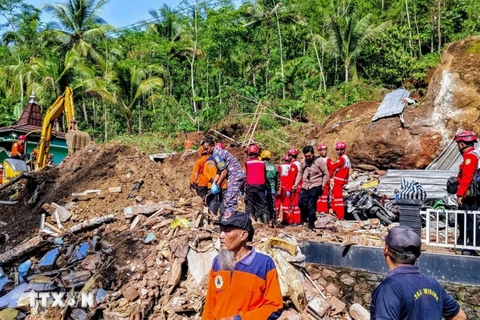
[113, 223]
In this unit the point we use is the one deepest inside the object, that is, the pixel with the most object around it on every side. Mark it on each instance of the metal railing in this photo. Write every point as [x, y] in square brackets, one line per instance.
[442, 228]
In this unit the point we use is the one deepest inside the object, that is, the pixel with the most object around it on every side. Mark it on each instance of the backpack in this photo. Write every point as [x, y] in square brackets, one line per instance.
[474, 188]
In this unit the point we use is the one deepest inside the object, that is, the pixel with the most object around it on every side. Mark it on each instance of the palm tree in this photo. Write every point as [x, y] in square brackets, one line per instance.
[78, 25]
[347, 36]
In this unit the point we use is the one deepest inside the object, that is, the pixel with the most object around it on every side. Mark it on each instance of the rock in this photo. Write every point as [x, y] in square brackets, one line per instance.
[115, 190]
[318, 306]
[60, 212]
[329, 273]
[9, 314]
[338, 305]
[91, 262]
[346, 279]
[333, 290]
[315, 275]
[361, 288]
[130, 294]
[76, 278]
[79, 314]
[357, 312]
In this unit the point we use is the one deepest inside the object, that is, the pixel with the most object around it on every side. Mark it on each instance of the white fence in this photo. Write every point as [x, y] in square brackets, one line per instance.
[442, 228]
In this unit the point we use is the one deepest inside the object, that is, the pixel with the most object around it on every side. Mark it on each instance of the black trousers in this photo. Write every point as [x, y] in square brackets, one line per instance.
[271, 206]
[469, 204]
[308, 204]
[256, 202]
[202, 191]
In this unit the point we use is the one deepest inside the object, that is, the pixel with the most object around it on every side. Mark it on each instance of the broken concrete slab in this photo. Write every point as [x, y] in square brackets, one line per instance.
[146, 209]
[62, 213]
[358, 312]
[200, 263]
[93, 222]
[318, 307]
[115, 190]
[338, 305]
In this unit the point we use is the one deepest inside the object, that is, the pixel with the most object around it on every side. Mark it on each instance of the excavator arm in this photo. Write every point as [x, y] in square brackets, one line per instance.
[75, 139]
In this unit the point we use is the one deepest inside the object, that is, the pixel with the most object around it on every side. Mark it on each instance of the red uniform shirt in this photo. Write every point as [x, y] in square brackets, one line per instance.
[341, 169]
[283, 172]
[293, 172]
[255, 170]
[467, 171]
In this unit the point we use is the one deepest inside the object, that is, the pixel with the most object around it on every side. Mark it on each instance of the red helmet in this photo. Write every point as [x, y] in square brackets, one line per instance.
[220, 145]
[22, 137]
[253, 148]
[285, 158]
[292, 152]
[340, 145]
[466, 136]
[321, 147]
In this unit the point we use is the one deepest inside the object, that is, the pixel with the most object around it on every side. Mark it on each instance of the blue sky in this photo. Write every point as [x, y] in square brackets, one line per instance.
[119, 13]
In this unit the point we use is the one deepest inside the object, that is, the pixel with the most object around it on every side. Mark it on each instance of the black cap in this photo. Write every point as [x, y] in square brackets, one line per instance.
[404, 239]
[238, 220]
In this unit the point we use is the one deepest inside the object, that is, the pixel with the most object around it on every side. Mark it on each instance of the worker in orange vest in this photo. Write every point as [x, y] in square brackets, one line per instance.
[18, 148]
[341, 171]
[198, 181]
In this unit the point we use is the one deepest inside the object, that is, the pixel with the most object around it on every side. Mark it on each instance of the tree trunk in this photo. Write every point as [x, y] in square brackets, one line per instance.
[281, 52]
[439, 25]
[84, 107]
[346, 65]
[320, 65]
[409, 25]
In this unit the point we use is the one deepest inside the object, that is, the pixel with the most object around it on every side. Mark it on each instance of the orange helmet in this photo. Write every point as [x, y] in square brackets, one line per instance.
[22, 138]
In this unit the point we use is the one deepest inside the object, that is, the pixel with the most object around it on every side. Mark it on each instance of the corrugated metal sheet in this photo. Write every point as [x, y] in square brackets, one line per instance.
[433, 181]
[392, 104]
[449, 159]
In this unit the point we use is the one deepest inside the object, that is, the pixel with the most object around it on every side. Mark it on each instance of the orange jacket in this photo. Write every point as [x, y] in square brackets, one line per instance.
[250, 292]
[202, 181]
[17, 149]
[210, 171]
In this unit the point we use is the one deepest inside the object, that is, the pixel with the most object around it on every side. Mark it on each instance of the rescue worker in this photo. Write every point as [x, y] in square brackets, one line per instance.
[405, 293]
[314, 174]
[291, 211]
[214, 201]
[255, 186]
[323, 204]
[18, 148]
[341, 170]
[466, 201]
[283, 170]
[243, 283]
[198, 182]
[228, 169]
[273, 184]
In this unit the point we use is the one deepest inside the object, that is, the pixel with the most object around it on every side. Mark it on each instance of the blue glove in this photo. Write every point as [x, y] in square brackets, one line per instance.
[242, 194]
[265, 192]
[215, 188]
[288, 193]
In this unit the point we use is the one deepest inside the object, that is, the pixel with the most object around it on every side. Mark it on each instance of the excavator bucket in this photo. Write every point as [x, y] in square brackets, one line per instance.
[76, 140]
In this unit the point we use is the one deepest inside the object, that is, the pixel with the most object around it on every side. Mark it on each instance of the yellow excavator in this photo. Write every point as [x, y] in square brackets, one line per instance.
[76, 139]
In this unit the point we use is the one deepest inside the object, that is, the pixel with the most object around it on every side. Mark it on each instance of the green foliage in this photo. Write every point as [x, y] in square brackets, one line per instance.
[196, 65]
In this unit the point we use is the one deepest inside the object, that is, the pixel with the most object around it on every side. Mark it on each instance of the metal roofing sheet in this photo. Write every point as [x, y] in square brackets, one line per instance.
[392, 104]
[433, 181]
[449, 158]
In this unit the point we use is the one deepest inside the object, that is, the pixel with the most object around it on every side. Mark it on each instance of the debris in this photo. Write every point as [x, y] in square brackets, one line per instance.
[49, 259]
[115, 190]
[9, 314]
[358, 312]
[61, 213]
[318, 307]
[130, 212]
[76, 278]
[136, 187]
[150, 237]
[130, 294]
[21, 250]
[199, 264]
[82, 251]
[91, 223]
[338, 305]
[79, 314]
[53, 228]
